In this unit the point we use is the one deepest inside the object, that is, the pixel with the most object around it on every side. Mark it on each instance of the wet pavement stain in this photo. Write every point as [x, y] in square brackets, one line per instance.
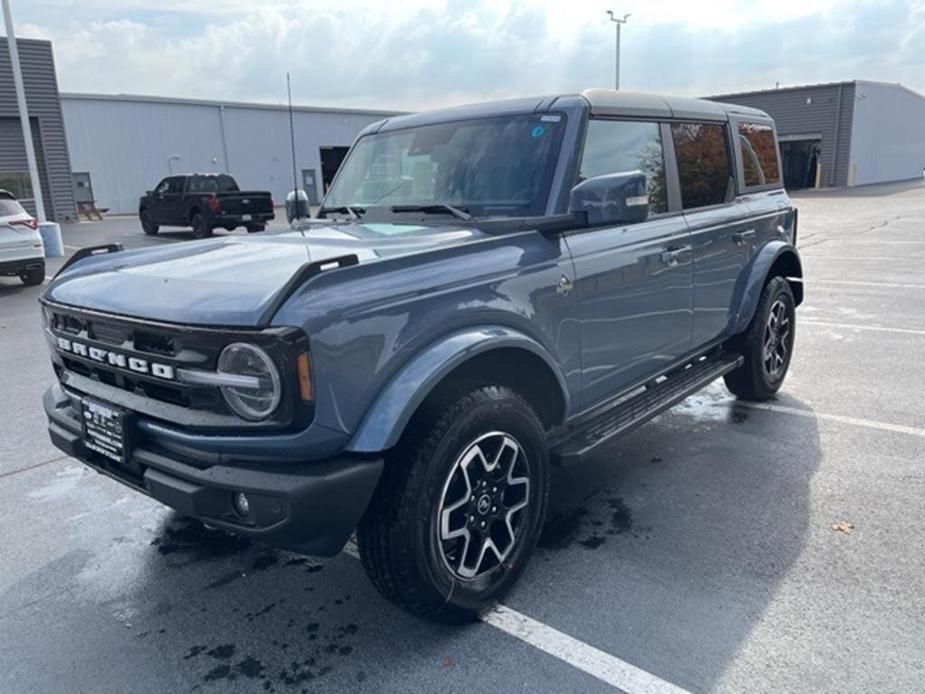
[739, 416]
[194, 541]
[562, 528]
[588, 528]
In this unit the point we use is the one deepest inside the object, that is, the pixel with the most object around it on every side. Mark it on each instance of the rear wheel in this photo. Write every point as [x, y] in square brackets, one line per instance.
[767, 344]
[148, 225]
[459, 507]
[201, 228]
[31, 278]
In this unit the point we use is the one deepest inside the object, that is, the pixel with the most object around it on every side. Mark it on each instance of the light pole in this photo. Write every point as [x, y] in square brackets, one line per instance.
[618, 22]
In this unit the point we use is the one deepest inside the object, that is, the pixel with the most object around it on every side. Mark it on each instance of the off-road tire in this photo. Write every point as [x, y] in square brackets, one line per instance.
[398, 536]
[201, 229]
[148, 225]
[32, 278]
[752, 380]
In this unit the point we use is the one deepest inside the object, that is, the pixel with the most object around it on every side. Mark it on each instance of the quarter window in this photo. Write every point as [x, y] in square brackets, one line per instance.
[704, 167]
[622, 146]
[759, 154]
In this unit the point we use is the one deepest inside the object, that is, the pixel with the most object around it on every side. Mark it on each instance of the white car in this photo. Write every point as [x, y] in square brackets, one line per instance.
[21, 250]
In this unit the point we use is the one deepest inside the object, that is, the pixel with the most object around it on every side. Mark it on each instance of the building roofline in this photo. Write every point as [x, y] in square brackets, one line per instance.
[140, 98]
[800, 87]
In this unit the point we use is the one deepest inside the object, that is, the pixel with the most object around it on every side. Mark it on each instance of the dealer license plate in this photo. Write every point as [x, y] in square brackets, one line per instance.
[104, 430]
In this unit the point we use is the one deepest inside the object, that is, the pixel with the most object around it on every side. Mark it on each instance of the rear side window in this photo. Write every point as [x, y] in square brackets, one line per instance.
[622, 146]
[759, 154]
[704, 165]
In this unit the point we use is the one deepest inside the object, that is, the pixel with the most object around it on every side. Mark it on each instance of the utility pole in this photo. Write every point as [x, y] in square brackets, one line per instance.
[619, 23]
[24, 115]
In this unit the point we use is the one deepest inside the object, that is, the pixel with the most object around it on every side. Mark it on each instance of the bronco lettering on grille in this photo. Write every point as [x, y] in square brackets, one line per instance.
[116, 359]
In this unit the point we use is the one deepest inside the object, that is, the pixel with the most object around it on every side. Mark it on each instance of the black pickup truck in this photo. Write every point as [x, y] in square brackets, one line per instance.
[204, 202]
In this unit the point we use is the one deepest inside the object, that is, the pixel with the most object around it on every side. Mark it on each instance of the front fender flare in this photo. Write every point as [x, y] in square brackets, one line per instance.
[756, 276]
[392, 409]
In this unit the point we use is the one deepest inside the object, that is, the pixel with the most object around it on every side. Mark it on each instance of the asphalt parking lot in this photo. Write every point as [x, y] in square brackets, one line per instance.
[723, 547]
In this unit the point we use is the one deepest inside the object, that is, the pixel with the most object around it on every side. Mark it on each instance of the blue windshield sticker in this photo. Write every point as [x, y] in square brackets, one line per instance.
[538, 131]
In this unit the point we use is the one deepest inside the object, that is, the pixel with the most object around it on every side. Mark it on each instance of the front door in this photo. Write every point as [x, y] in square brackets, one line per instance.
[633, 282]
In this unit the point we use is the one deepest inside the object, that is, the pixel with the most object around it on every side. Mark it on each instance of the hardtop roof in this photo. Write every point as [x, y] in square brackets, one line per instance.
[601, 102]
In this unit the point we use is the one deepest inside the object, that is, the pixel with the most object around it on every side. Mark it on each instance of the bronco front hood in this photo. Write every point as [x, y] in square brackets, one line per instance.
[230, 280]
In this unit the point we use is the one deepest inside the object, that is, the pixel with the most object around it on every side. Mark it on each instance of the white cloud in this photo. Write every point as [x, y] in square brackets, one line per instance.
[419, 53]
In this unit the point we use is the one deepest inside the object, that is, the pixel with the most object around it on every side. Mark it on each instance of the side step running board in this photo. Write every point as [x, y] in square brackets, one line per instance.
[640, 406]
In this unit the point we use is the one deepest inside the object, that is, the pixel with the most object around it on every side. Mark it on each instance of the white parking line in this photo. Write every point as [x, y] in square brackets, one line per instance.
[852, 326]
[858, 283]
[856, 421]
[605, 667]
[578, 654]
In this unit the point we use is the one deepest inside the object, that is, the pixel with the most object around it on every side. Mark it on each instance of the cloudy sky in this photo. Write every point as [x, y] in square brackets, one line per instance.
[416, 54]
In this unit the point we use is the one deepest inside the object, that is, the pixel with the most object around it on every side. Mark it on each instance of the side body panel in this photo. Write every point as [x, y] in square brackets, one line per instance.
[398, 308]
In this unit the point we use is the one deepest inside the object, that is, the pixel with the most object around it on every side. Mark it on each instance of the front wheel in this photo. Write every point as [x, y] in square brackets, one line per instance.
[767, 344]
[148, 225]
[201, 228]
[460, 506]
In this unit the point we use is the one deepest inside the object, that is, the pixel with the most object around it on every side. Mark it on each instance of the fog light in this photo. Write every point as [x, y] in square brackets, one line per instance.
[241, 504]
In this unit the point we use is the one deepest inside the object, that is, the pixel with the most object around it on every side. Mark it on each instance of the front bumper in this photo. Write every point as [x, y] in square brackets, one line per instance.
[18, 267]
[308, 507]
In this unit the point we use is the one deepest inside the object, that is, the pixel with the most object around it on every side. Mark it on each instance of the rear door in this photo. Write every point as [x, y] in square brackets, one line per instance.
[633, 282]
[759, 172]
[718, 219]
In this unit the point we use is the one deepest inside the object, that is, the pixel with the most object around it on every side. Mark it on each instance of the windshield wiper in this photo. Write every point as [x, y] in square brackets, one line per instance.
[434, 208]
[353, 212]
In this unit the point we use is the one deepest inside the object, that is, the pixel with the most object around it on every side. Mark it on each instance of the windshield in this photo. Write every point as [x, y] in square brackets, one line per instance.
[486, 167]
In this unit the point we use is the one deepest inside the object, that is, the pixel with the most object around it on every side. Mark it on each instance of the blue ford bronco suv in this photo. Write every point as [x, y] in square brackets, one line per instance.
[486, 291]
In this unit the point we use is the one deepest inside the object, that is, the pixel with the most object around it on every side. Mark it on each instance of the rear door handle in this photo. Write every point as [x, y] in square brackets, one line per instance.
[675, 255]
[740, 238]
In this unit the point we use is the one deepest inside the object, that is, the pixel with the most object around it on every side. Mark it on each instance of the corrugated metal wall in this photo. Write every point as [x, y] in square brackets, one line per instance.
[888, 140]
[128, 144]
[825, 110]
[41, 85]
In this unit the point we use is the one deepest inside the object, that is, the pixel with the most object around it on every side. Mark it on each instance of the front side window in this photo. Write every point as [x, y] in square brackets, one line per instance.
[759, 154]
[175, 184]
[704, 166]
[162, 187]
[487, 166]
[622, 146]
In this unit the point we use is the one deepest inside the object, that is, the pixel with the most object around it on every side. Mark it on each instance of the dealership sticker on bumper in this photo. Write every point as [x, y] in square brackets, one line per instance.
[104, 430]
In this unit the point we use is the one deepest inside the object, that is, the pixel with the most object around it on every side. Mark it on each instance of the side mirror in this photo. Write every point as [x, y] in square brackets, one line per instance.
[619, 198]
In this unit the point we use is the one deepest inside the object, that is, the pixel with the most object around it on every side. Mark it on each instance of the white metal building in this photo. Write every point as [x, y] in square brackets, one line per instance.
[121, 146]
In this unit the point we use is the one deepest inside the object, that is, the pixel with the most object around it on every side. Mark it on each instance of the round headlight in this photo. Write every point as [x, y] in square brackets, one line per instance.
[260, 397]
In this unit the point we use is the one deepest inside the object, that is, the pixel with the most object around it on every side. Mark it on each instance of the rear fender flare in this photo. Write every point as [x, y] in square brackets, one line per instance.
[394, 406]
[775, 252]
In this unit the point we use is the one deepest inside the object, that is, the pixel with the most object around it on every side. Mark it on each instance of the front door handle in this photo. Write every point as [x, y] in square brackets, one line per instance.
[740, 238]
[675, 255]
